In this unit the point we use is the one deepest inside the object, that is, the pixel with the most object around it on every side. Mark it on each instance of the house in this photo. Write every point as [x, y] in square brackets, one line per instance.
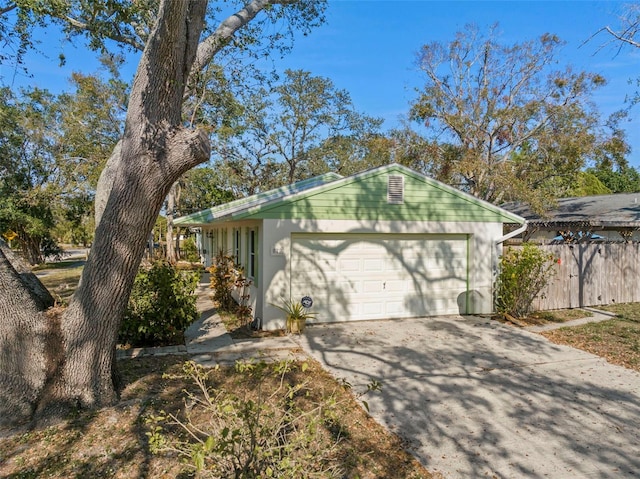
[385, 243]
[611, 218]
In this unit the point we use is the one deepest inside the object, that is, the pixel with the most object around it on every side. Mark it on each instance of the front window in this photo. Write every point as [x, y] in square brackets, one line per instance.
[252, 253]
[236, 245]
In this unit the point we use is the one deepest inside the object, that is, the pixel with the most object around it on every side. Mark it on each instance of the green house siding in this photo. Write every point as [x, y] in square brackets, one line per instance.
[365, 198]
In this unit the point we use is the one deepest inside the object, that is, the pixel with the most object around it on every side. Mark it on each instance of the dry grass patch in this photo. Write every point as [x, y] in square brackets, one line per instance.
[61, 278]
[114, 443]
[617, 340]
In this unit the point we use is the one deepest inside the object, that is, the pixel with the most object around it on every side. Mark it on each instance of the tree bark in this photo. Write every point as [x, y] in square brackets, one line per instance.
[48, 363]
[172, 198]
[23, 338]
[155, 150]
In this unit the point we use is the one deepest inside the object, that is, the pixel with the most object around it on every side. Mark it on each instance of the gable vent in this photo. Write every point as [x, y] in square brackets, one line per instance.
[395, 190]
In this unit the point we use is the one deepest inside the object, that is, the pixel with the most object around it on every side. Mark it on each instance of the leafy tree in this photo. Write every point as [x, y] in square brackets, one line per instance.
[621, 178]
[511, 126]
[75, 359]
[28, 184]
[59, 143]
[587, 184]
[201, 190]
[286, 131]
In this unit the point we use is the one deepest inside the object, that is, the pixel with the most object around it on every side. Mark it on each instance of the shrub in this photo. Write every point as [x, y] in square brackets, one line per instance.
[524, 272]
[226, 278]
[278, 430]
[161, 306]
[190, 250]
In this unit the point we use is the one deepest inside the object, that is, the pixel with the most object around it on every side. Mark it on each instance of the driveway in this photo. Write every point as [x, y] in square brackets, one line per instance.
[475, 398]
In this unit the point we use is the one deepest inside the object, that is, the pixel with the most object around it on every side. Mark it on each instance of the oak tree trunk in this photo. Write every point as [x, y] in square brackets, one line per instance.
[154, 151]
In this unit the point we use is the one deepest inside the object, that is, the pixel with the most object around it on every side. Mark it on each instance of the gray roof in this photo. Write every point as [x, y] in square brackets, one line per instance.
[621, 210]
[243, 204]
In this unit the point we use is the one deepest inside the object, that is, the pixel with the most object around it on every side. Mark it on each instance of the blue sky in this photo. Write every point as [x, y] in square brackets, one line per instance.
[369, 47]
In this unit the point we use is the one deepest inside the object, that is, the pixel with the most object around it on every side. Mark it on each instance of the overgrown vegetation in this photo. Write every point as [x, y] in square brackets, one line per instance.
[227, 277]
[161, 306]
[113, 442]
[617, 340]
[524, 272]
[190, 250]
[280, 431]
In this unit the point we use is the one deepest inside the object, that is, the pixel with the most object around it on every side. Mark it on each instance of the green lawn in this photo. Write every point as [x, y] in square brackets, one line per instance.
[61, 279]
[617, 340]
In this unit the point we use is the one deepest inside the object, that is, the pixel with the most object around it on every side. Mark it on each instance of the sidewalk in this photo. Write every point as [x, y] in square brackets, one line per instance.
[598, 316]
[208, 343]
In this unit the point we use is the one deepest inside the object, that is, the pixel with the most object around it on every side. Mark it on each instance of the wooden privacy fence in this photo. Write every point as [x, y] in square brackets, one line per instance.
[592, 274]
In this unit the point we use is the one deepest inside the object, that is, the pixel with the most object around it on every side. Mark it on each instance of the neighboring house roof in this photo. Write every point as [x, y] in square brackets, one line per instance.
[603, 212]
[362, 196]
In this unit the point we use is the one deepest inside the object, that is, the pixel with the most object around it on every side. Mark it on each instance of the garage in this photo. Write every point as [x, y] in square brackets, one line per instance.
[384, 243]
[373, 276]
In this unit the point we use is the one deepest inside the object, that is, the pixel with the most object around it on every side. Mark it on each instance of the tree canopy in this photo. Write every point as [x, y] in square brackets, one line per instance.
[288, 132]
[509, 124]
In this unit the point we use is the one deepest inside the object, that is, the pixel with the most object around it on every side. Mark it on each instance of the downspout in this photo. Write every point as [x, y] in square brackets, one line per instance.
[514, 233]
[498, 242]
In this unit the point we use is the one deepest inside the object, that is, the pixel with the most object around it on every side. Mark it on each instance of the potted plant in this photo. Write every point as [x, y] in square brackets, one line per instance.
[297, 315]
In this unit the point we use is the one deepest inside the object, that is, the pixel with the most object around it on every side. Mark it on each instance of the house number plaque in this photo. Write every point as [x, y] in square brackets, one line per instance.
[306, 301]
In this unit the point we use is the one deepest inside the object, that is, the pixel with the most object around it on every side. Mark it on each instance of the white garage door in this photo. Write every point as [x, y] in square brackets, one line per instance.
[366, 276]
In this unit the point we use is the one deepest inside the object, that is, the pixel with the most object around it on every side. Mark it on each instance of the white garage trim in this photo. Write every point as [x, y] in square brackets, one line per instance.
[380, 276]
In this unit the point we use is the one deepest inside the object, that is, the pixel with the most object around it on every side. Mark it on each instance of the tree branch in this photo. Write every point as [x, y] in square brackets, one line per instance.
[8, 8]
[622, 38]
[226, 30]
[113, 36]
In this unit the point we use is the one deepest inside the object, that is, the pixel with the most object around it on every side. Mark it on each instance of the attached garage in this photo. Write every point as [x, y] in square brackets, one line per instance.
[385, 243]
[376, 276]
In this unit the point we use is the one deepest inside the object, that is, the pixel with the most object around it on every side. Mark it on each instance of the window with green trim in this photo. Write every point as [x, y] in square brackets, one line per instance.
[236, 245]
[252, 257]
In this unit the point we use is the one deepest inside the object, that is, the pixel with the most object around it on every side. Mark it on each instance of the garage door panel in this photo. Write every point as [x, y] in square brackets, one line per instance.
[382, 276]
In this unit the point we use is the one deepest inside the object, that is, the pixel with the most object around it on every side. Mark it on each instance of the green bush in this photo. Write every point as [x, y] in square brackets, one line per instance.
[524, 272]
[161, 306]
[190, 250]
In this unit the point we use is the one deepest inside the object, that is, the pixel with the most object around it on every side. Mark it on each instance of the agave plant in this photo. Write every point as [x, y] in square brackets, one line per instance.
[297, 315]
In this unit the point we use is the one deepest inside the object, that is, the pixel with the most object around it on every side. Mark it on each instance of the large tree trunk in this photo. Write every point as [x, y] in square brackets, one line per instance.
[154, 151]
[23, 338]
[48, 365]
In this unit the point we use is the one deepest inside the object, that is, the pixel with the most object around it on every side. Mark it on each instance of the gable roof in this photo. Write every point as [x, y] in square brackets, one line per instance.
[240, 205]
[333, 191]
[600, 211]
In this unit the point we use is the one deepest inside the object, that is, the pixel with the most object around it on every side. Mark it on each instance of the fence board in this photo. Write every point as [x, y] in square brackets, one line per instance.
[591, 274]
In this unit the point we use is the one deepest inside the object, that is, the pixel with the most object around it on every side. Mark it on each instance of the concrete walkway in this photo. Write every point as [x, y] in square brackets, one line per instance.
[598, 315]
[208, 343]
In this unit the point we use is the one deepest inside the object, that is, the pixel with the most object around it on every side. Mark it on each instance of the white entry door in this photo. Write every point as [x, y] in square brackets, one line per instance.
[371, 276]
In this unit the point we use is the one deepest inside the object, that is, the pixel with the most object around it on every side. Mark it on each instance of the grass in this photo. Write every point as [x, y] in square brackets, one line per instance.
[539, 318]
[61, 278]
[617, 339]
[113, 442]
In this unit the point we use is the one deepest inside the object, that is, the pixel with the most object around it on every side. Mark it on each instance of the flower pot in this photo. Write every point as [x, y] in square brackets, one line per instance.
[296, 326]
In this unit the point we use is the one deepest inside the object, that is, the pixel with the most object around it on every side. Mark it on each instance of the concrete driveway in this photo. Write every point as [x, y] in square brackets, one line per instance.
[475, 398]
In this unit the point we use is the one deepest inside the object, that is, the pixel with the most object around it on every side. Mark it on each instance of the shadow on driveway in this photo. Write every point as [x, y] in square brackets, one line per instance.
[475, 398]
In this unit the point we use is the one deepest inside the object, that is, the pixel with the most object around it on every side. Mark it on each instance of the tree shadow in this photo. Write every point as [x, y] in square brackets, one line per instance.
[472, 397]
[105, 442]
